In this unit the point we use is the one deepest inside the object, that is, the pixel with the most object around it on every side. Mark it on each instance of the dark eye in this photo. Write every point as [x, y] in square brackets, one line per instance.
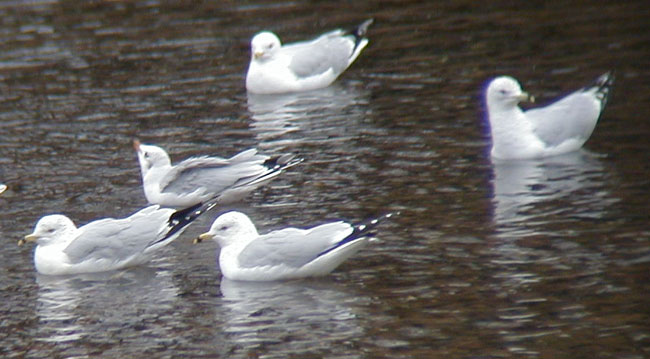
[50, 230]
[223, 228]
[269, 46]
[146, 155]
[503, 92]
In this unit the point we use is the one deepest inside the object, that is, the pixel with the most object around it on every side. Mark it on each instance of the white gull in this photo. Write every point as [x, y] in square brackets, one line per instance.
[106, 244]
[286, 253]
[197, 179]
[302, 66]
[561, 127]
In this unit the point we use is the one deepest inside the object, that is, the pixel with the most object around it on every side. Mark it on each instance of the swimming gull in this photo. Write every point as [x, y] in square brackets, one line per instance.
[561, 127]
[198, 179]
[287, 253]
[302, 66]
[106, 244]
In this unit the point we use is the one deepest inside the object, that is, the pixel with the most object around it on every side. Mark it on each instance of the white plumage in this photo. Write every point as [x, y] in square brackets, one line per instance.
[284, 254]
[561, 127]
[106, 244]
[302, 66]
[198, 179]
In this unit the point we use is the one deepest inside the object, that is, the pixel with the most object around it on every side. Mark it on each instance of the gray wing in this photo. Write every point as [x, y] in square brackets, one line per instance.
[213, 173]
[329, 51]
[572, 117]
[119, 239]
[293, 247]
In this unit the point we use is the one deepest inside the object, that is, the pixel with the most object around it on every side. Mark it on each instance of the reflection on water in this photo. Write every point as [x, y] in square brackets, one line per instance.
[58, 298]
[316, 115]
[96, 307]
[530, 194]
[293, 317]
[538, 206]
[327, 127]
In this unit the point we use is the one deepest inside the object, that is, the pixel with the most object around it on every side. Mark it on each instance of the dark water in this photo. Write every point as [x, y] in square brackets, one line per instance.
[540, 259]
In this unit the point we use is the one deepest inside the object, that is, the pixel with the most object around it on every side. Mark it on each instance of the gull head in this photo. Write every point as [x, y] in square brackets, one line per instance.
[264, 45]
[229, 228]
[51, 229]
[504, 93]
[150, 156]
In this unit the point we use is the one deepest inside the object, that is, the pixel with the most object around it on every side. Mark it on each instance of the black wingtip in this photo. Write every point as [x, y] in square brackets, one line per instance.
[183, 217]
[362, 229]
[282, 162]
[602, 86]
[274, 166]
[279, 164]
[359, 32]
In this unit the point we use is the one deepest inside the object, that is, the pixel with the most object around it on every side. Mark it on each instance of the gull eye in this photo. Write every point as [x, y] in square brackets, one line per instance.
[269, 46]
[503, 92]
[223, 228]
[50, 230]
[146, 155]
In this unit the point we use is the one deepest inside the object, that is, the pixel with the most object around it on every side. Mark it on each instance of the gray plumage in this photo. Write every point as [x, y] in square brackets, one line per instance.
[305, 65]
[215, 174]
[561, 127]
[315, 57]
[107, 244]
[291, 246]
[199, 179]
[119, 239]
[573, 116]
[285, 253]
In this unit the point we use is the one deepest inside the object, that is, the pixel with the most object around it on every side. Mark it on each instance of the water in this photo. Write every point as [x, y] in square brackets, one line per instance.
[540, 259]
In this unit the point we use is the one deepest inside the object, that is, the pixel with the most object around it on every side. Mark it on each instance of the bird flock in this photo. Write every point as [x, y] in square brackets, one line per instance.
[178, 194]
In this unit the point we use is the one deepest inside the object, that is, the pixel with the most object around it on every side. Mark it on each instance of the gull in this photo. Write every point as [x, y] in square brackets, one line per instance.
[198, 179]
[107, 244]
[302, 66]
[3, 187]
[286, 253]
[561, 127]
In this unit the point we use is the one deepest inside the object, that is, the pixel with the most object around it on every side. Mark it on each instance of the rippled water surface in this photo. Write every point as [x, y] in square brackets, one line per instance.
[540, 259]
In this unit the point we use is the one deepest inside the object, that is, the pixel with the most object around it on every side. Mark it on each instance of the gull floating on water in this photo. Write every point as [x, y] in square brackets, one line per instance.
[302, 66]
[197, 179]
[107, 244]
[287, 253]
[561, 127]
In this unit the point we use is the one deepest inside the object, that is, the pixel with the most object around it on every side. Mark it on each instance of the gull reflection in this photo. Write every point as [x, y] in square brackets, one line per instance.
[543, 199]
[311, 113]
[95, 305]
[313, 313]
[527, 192]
